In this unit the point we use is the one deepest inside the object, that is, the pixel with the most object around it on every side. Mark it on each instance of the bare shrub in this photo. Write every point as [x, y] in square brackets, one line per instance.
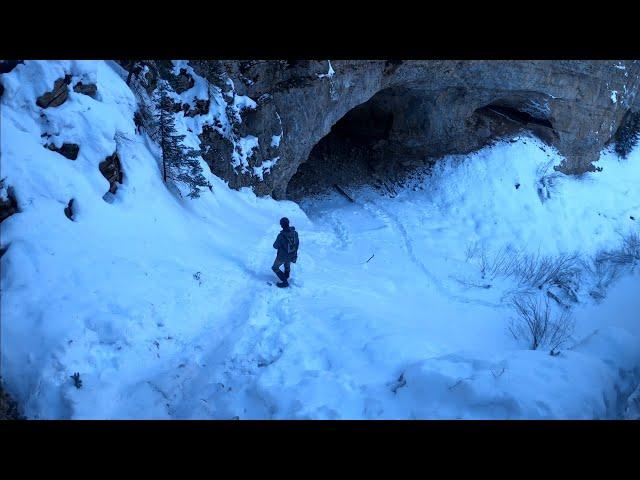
[545, 184]
[502, 263]
[538, 325]
[628, 253]
[531, 272]
[471, 250]
[491, 266]
[607, 266]
[538, 271]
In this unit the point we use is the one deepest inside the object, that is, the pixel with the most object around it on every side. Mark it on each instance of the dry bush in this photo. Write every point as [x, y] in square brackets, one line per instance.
[546, 182]
[627, 254]
[501, 264]
[607, 266]
[538, 271]
[531, 271]
[538, 325]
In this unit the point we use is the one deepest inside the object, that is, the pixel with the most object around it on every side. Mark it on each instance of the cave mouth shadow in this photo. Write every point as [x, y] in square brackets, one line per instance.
[354, 152]
[401, 131]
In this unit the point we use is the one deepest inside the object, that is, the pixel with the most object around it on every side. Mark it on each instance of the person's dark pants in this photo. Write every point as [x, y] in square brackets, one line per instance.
[287, 269]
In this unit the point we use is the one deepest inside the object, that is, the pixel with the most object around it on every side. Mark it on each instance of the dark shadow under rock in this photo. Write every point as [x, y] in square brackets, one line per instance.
[67, 150]
[8, 205]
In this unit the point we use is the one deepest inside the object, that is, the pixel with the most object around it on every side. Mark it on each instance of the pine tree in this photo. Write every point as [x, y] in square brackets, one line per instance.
[628, 134]
[179, 162]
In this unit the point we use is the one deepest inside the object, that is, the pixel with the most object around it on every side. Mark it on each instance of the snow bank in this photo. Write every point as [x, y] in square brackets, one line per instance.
[525, 202]
[591, 381]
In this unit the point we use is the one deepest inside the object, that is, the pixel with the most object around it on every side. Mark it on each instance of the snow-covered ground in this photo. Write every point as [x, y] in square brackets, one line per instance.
[163, 307]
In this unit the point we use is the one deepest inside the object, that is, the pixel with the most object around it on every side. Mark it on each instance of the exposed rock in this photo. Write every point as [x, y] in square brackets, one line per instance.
[201, 108]
[436, 107]
[89, 89]
[8, 202]
[144, 72]
[182, 82]
[111, 169]
[57, 96]
[177, 107]
[68, 150]
[217, 151]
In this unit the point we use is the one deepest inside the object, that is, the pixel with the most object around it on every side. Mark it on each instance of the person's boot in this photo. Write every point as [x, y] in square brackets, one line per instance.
[280, 275]
[283, 284]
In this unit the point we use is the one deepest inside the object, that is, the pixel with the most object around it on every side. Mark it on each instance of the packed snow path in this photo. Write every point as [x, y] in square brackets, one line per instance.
[161, 304]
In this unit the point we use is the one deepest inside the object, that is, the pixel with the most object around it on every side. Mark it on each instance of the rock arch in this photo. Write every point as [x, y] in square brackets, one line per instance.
[439, 106]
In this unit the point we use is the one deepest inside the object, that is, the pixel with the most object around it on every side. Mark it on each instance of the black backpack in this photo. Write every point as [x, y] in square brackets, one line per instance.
[292, 246]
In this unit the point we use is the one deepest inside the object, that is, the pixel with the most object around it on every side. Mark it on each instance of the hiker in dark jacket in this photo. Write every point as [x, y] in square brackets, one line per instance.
[287, 244]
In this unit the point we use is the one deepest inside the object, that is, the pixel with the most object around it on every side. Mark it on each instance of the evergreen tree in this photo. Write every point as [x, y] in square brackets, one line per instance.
[627, 135]
[179, 162]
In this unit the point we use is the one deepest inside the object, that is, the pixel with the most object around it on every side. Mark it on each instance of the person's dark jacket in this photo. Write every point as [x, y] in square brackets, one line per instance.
[287, 244]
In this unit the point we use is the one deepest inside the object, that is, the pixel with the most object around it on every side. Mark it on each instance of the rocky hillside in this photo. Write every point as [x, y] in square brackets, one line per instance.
[400, 113]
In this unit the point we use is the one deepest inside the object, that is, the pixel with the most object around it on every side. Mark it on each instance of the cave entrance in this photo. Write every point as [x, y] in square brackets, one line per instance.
[381, 141]
[355, 151]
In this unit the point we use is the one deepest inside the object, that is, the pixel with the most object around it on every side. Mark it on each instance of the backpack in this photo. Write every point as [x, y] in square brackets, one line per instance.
[292, 245]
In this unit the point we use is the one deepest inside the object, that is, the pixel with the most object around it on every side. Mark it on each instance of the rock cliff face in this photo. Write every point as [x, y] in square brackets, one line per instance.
[371, 118]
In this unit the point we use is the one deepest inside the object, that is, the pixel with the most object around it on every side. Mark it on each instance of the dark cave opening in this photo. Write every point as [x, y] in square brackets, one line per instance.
[352, 152]
[400, 130]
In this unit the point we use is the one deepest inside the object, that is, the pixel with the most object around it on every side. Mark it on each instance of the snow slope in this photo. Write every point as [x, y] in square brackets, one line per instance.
[162, 303]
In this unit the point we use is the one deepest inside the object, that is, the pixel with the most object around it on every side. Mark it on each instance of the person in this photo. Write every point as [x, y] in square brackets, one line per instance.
[286, 244]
